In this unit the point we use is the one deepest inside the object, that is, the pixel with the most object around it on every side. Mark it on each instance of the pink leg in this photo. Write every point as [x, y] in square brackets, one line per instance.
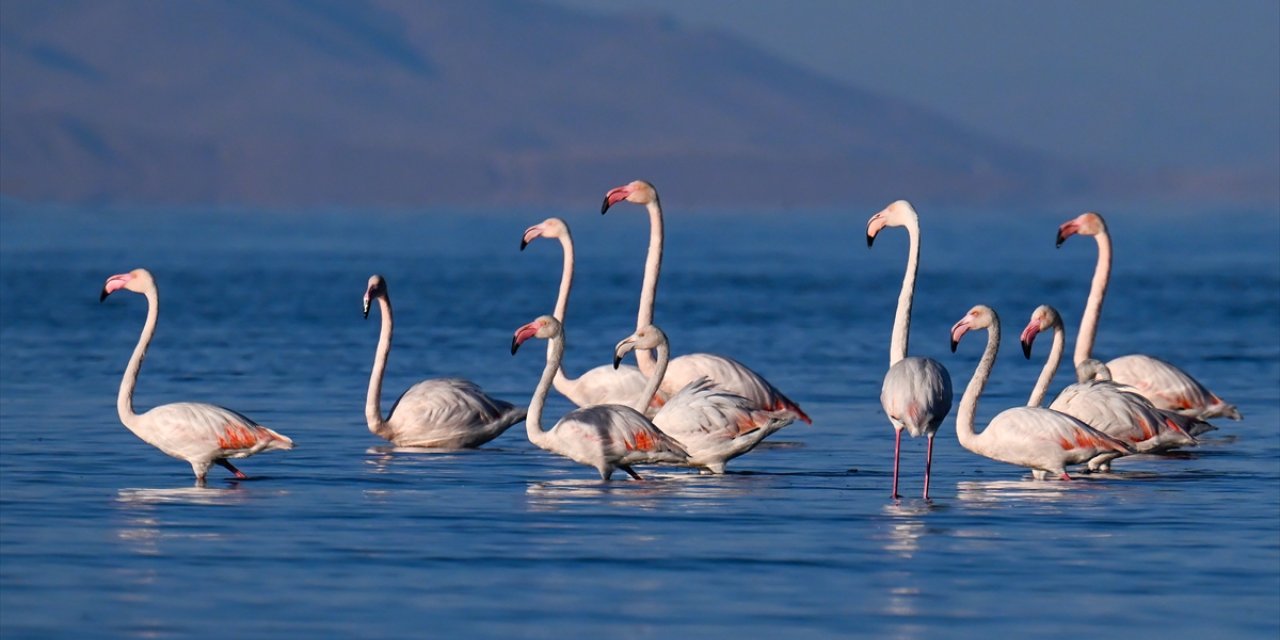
[1065, 476]
[928, 463]
[227, 465]
[897, 443]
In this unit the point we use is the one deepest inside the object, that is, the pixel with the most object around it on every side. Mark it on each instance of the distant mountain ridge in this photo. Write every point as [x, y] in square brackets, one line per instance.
[402, 103]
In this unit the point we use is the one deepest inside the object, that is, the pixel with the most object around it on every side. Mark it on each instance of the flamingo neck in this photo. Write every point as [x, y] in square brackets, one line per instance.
[654, 381]
[1093, 307]
[373, 402]
[1050, 366]
[563, 383]
[533, 420]
[124, 401]
[902, 320]
[649, 289]
[969, 403]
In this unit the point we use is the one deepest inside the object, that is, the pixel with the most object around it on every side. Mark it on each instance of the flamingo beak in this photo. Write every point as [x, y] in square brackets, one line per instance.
[114, 283]
[957, 331]
[1068, 229]
[529, 234]
[627, 344]
[1029, 337]
[614, 197]
[874, 225]
[522, 334]
[366, 306]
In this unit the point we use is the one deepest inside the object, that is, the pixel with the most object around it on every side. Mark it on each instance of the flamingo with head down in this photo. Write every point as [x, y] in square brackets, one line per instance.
[916, 394]
[202, 434]
[1104, 405]
[727, 373]
[1165, 385]
[1042, 439]
[602, 384]
[606, 437]
[444, 413]
[713, 425]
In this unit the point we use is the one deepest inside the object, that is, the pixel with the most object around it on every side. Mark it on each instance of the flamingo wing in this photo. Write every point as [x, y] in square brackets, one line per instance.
[715, 425]
[1045, 439]
[1121, 414]
[916, 395]
[1168, 387]
[451, 413]
[617, 435]
[732, 376]
[199, 431]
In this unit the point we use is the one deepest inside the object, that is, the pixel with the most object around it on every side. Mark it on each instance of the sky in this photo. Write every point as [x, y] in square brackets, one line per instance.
[1141, 83]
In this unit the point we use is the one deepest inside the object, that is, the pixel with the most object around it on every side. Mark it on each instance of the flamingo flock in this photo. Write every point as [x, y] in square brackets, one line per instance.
[701, 410]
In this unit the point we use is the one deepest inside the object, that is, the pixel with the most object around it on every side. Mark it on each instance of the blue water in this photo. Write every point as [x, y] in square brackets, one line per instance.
[102, 535]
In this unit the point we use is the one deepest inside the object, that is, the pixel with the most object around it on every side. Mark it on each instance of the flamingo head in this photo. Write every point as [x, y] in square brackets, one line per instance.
[137, 281]
[1087, 224]
[898, 214]
[549, 228]
[1043, 318]
[377, 288]
[979, 317]
[545, 327]
[647, 337]
[1091, 370]
[637, 192]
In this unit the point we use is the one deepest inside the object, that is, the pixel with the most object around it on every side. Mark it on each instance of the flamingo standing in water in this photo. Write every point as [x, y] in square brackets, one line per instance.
[603, 384]
[445, 413]
[202, 434]
[1042, 439]
[727, 373]
[1165, 385]
[713, 425]
[606, 437]
[916, 394]
[1104, 405]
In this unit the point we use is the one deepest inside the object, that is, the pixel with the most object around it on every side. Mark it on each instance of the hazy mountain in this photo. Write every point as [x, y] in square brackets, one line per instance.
[386, 102]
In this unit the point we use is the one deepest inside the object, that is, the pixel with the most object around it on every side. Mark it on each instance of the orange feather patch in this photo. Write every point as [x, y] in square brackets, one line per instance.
[237, 436]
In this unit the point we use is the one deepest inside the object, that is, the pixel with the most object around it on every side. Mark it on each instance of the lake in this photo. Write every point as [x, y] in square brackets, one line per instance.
[102, 535]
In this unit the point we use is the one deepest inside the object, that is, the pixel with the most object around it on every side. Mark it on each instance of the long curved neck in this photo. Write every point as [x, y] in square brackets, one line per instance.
[1093, 307]
[902, 321]
[533, 420]
[563, 383]
[649, 290]
[124, 401]
[1050, 366]
[373, 402]
[655, 380]
[969, 403]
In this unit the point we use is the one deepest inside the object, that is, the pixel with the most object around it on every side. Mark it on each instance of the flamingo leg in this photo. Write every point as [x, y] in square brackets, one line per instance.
[928, 464]
[229, 467]
[1064, 476]
[631, 472]
[897, 444]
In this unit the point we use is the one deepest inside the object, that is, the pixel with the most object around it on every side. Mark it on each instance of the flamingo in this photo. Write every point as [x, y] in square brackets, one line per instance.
[727, 373]
[444, 413]
[1102, 404]
[202, 434]
[1165, 385]
[603, 384]
[713, 425]
[608, 436]
[916, 394]
[1042, 439]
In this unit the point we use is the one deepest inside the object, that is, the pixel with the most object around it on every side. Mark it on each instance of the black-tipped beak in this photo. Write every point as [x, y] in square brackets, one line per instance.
[870, 240]
[366, 308]
[104, 295]
[1026, 349]
[523, 243]
[617, 360]
[954, 342]
[604, 207]
[1061, 239]
[515, 345]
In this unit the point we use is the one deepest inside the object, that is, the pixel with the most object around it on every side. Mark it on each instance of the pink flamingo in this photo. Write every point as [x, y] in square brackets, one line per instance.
[202, 434]
[727, 373]
[606, 437]
[1042, 439]
[444, 413]
[603, 384]
[916, 394]
[713, 425]
[1165, 385]
[1103, 405]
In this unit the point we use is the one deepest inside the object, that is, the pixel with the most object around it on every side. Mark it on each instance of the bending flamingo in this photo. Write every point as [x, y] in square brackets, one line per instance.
[445, 413]
[1104, 405]
[202, 434]
[1042, 439]
[916, 394]
[606, 437]
[603, 384]
[713, 425]
[1165, 385]
[726, 373]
